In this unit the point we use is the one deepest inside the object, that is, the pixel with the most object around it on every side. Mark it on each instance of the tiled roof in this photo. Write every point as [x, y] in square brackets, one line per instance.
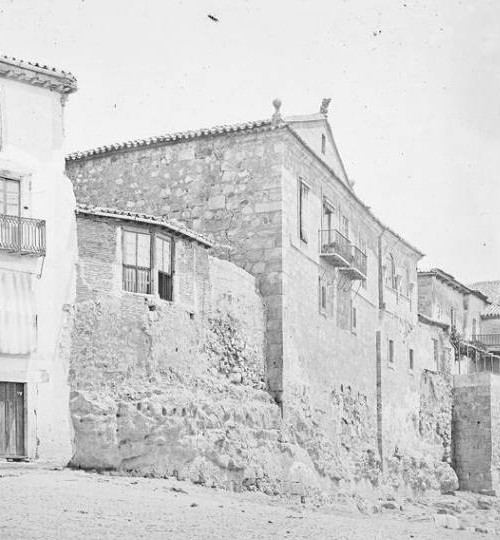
[173, 225]
[266, 125]
[491, 312]
[172, 137]
[37, 74]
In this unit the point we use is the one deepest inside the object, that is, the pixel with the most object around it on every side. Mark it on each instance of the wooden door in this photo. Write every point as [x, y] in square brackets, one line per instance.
[12, 419]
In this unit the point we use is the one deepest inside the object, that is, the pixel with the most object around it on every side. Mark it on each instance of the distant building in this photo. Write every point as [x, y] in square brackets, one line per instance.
[490, 328]
[37, 262]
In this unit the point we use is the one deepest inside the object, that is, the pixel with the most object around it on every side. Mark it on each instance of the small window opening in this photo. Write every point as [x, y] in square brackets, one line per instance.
[411, 359]
[303, 198]
[323, 144]
[391, 351]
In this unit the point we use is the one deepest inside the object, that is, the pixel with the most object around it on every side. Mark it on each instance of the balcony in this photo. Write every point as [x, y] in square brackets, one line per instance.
[490, 341]
[341, 253]
[23, 236]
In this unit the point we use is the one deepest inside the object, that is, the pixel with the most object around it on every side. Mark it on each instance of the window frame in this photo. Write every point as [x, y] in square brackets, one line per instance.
[353, 317]
[137, 231]
[453, 317]
[302, 208]
[411, 359]
[154, 278]
[4, 180]
[163, 237]
[390, 351]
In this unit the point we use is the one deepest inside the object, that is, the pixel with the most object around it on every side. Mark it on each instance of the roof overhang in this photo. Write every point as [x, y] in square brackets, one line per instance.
[452, 283]
[37, 75]
[147, 219]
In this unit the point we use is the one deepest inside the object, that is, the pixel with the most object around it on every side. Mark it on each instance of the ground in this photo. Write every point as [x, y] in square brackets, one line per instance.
[38, 503]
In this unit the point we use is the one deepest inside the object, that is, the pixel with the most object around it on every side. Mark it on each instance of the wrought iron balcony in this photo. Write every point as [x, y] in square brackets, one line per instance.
[341, 253]
[490, 341]
[20, 235]
[357, 269]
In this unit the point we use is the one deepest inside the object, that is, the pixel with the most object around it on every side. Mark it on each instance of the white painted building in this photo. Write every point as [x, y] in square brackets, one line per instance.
[37, 263]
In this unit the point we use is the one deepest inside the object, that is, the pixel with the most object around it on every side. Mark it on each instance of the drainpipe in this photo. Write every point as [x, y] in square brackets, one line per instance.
[381, 305]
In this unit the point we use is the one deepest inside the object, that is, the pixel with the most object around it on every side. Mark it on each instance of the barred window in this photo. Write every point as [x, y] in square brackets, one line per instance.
[137, 262]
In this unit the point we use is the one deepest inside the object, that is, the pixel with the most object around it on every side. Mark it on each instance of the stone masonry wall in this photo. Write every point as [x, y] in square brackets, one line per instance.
[476, 431]
[158, 392]
[228, 187]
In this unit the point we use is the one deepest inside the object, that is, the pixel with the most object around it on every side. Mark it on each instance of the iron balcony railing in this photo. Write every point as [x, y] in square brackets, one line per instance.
[359, 260]
[490, 340]
[341, 253]
[22, 235]
[333, 242]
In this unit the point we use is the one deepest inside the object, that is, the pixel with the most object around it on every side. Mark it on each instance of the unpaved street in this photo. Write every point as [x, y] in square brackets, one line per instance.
[41, 504]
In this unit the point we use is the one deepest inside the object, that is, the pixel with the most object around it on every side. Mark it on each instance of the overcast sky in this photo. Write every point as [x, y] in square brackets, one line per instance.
[415, 88]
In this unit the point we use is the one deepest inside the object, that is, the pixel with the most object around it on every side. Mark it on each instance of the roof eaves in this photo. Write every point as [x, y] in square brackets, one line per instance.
[431, 322]
[124, 215]
[172, 138]
[453, 282]
[352, 194]
[38, 74]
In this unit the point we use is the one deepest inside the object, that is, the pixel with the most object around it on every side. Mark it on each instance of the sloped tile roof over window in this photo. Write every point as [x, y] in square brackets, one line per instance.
[173, 226]
[37, 74]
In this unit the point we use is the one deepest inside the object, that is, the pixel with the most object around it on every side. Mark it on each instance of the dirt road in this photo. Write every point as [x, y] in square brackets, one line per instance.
[42, 504]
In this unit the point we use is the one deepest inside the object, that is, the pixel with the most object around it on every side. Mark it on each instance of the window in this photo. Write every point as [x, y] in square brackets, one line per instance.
[136, 262]
[411, 359]
[10, 198]
[328, 235]
[354, 321]
[344, 226]
[390, 278]
[435, 354]
[322, 296]
[303, 199]
[164, 258]
[474, 328]
[328, 210]
[453, 317]
[323, 144]
[407, 282]
[390, 351]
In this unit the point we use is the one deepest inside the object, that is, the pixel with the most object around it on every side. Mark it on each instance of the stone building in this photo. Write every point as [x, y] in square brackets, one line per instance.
[37, 258]
[343, 339]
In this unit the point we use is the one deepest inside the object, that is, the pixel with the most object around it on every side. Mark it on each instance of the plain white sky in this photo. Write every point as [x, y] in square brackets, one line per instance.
[415, 88]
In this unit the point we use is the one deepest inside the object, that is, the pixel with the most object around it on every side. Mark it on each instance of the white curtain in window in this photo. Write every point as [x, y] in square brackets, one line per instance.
[17, 313]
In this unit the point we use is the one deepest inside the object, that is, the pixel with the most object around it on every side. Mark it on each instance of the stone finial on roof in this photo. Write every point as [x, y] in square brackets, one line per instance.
[324, 106]
[277, 106]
